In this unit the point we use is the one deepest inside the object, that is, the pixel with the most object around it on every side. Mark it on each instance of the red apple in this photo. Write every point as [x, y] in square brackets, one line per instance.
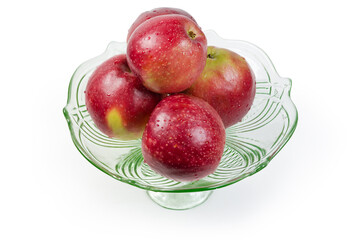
[227, 84]
[184, 139]
[116, 100]
[167, 52]
[153, 13]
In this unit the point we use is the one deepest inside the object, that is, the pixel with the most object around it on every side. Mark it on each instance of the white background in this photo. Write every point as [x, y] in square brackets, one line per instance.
[309, 191]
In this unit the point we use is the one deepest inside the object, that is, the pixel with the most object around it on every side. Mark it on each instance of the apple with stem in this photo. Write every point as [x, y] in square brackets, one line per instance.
[184, 139]
[167, 52]
[116, 100]
[153, 13]
[227, 84]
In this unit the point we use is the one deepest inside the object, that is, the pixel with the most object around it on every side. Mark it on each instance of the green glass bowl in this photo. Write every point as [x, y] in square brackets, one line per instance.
[250, 144]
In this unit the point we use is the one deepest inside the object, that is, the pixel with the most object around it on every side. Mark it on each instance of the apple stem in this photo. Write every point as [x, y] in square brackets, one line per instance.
[191, 34]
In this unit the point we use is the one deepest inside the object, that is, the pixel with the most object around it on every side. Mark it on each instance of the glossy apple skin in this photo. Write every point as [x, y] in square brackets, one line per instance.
[227, 84]
[184, 139]
[167, 52]
[153, 13]
[116, 100]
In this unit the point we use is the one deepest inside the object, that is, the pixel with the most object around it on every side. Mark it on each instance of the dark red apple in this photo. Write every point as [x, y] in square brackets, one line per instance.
[227, 84]
[167, 52]
[184, 138]
[116, 100]
[153, 13]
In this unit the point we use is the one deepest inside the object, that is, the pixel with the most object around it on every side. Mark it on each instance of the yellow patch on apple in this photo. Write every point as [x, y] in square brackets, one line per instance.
[116, 124]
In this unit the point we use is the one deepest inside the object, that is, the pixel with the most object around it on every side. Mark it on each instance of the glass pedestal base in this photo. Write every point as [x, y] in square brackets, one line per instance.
[179, 201]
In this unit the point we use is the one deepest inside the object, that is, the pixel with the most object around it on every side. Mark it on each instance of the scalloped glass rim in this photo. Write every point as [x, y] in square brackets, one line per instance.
[246, 153]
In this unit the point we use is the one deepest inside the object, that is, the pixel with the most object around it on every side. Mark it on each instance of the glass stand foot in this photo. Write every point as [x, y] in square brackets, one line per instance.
[179, 201]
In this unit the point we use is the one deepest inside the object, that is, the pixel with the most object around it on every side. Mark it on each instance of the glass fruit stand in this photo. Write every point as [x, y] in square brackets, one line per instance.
[250, 144]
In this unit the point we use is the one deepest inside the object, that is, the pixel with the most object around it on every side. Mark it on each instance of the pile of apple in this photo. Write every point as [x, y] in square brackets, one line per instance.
[174, 91]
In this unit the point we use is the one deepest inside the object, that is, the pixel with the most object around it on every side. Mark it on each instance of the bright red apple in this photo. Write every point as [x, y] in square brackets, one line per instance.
[227, 84]
[153, 13]
[167, 52]
[116, 100]
[184, 139]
